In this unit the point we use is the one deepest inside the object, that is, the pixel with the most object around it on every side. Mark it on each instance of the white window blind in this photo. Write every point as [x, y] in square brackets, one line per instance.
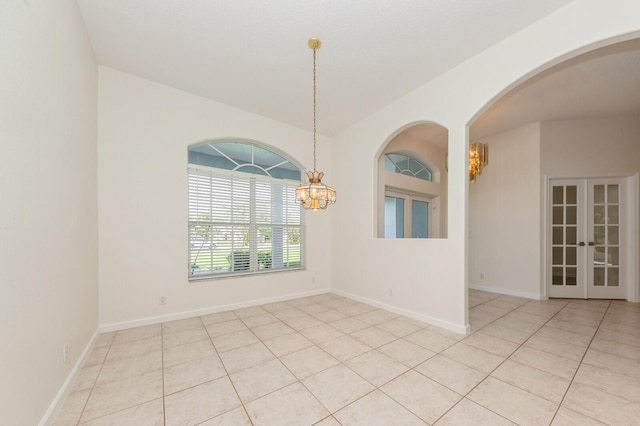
[242, 223]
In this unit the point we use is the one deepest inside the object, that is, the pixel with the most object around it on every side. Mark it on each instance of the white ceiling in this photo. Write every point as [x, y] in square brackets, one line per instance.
[253, 54]
[603, 82]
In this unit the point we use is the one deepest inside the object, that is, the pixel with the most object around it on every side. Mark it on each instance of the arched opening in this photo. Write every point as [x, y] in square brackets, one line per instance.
[412, 183]
[565, 145]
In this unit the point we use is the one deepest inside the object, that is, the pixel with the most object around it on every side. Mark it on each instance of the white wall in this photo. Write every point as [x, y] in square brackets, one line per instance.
[505, 215]
[429, 276]
[48, 202]
[144, 131]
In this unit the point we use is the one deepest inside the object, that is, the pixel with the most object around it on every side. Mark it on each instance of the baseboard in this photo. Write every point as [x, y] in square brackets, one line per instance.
[57, 402]
[198, 312]
[466, 329]
[507, 292]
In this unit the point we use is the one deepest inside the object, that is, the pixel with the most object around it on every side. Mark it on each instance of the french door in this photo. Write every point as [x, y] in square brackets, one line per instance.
[587, 224]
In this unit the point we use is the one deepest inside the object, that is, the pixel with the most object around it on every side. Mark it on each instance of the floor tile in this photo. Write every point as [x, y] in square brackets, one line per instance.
[538, 382]
[181, 325]
[491, 344]
[406, 352]
[150, 413]
[288, 343]
[602, 406]
[308, 361]
[120, 369]
[184, 336]
[234, 340]
[430, 340]
[245, 357]
[192, 373]
[374, 336]
[134, 348]
[376, 409]
[137, 333]
[468, 413]
[398, 327]
[452, 374]
[567, 417]
[622, 384]
[227, 327]
[250, 312]
[272, 330]
[300, 323]
[344, 348]
[261, 379]
[473, 357]
[545, 361]
[337, 387]
[116, 396]
[259, 320]
[376, 367]
[515, 404]
[236, 417]
[424, 397]
[321, 333]
[556, 347]
[293, 405]
[349, 325]
[218, 317]
[187, 352]
[197, 404]
[72, 408]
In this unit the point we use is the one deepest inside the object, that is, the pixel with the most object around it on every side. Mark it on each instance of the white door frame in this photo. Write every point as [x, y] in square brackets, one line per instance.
[632, 212]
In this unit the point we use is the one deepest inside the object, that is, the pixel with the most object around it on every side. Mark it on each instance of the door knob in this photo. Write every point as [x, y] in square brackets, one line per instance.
[591, 243]
[581, 243]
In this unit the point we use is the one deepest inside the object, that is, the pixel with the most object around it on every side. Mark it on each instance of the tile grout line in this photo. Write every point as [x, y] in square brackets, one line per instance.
[580, 365]
[104, 360]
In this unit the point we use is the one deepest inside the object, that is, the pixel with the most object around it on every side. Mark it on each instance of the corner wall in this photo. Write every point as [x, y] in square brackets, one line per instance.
[48, 202]
[505, 216]
[144, 131]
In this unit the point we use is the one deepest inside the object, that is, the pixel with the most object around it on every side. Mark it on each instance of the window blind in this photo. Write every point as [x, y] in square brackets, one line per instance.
[242, 223]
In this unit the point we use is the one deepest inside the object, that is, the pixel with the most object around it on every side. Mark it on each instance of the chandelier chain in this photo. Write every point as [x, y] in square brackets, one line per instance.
[314, 109]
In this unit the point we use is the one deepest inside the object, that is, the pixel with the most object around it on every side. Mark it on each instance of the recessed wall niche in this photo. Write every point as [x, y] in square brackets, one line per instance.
[413, 183]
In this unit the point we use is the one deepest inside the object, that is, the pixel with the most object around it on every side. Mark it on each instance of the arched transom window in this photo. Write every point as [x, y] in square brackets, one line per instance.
[405, 165]
[243, 217]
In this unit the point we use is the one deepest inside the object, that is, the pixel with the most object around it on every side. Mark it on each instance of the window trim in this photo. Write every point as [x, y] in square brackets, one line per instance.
[408, 197]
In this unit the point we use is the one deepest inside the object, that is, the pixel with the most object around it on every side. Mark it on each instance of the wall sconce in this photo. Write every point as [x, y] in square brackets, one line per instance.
[478, 158]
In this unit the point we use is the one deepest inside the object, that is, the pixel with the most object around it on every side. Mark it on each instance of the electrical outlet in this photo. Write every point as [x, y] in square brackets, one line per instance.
[163, 300]
[65, 352]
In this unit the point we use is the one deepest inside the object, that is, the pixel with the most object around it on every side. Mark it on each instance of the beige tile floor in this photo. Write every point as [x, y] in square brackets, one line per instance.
[328, 360]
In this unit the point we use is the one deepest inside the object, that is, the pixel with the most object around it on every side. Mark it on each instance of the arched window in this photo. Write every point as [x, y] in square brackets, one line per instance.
[243, 217]
[405, 165]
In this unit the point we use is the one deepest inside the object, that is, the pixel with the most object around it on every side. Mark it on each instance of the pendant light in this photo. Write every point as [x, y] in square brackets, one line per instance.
[315, 195]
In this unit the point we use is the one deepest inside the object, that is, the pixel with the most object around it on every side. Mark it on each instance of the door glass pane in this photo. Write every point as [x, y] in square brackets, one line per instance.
[393, 217]
[613, 235]
[613, 214]
[613, 256]
[571, 234]
[557, 256]
[598, 276]
[571, 256]
[571, 276]
[558, 217]
[572, 195]
[598, 255]
[598, 194]
[572, 217]
[557, 235]
[612, 193]
[558, 197]
[419, 219]
[598, 215]
[557, 275]
[612, 277]
[598, 235]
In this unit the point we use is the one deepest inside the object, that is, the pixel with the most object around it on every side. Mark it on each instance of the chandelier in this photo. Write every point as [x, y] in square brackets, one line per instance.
[315, 195]
[478, 158]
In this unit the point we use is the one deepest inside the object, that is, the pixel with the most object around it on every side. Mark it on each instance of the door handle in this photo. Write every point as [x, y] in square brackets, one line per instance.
[591, 243]
[581, 243]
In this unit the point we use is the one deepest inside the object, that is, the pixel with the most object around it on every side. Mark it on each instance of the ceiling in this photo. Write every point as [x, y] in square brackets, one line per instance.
[253, 55]
[603, 82]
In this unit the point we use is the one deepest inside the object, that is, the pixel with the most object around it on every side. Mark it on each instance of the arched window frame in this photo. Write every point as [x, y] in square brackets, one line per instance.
[243, 218]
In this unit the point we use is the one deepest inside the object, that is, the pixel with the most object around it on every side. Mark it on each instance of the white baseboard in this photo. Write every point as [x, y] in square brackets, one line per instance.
[198, 312]
[57, 402]
[466, 329]
[535, 296]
